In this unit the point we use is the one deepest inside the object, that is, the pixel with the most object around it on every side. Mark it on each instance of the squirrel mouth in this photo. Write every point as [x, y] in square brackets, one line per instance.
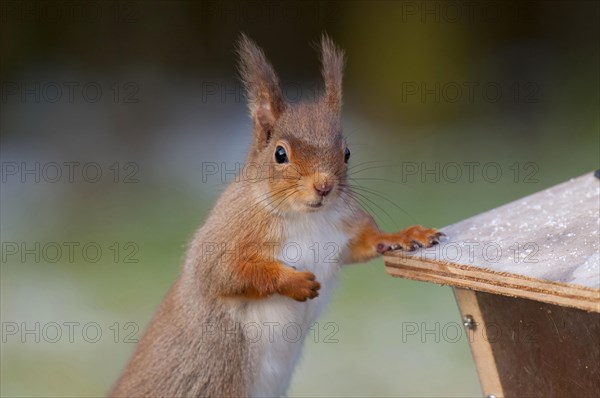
[315, 205]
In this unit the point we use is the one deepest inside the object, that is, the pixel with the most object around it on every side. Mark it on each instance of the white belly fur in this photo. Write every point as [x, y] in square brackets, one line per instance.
[315, 242]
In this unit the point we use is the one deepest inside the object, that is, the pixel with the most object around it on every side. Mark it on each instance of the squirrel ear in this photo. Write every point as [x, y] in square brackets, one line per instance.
[332, 58]
[262, 87]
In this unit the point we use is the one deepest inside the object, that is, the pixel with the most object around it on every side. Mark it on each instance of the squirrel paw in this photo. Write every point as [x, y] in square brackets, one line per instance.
[410, 239]
[301, 286]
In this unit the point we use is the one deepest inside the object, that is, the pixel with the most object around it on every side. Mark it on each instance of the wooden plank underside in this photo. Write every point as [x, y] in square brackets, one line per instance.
[538, 349]
[544, 247]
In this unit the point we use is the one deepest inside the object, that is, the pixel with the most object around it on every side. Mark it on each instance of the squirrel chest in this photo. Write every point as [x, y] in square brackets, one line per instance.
[314, 242]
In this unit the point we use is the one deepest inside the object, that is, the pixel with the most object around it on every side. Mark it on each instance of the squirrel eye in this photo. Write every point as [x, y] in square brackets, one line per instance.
[280, 155]
[346, 155]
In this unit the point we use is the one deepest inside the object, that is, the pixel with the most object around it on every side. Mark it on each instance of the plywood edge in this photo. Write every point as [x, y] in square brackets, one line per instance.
[490, 281]
[481, 348]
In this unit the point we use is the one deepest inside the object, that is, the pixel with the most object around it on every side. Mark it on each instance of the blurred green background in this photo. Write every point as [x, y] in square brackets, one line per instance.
[510, 84]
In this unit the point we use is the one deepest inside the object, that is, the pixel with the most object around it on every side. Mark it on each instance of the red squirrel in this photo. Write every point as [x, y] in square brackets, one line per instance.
[218, 331]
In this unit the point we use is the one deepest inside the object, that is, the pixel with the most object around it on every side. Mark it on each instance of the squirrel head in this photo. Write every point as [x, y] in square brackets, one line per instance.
[298, 147]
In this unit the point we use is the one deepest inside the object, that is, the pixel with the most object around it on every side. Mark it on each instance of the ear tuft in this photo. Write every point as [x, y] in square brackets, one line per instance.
[333, 61]
[262, 85]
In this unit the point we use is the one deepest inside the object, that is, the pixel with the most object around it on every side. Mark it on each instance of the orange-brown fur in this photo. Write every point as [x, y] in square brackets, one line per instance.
[193, 347]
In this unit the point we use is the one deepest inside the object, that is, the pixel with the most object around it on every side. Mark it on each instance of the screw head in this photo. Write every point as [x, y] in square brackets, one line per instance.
[469, 323]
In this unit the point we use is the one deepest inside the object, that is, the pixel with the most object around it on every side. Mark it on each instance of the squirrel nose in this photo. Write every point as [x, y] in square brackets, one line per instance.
[323, 189]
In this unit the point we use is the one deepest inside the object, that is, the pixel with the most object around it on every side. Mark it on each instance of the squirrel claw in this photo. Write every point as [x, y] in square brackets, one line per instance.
[410, 239]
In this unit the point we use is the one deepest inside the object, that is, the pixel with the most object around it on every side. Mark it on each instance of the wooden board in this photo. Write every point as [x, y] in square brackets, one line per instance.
[543, 247]
[524, 348]
[481, 348]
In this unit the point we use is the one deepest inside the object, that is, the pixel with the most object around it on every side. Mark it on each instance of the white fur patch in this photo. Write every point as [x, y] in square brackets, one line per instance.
[315, 242]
